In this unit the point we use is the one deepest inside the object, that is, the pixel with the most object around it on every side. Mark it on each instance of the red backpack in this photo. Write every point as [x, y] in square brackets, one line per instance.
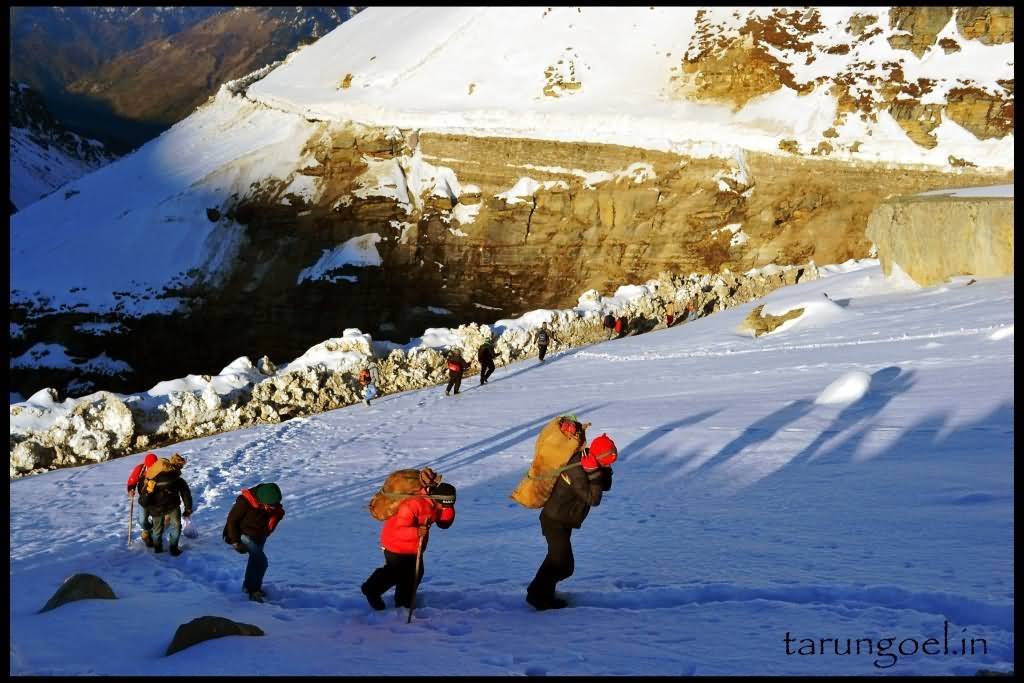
[454, 365]
[364, 376]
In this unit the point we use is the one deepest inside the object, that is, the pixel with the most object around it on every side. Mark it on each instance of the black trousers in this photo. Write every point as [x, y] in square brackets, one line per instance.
[454, 380]
[542, 349]
[399, 571]
[559, 563]
[486, 368]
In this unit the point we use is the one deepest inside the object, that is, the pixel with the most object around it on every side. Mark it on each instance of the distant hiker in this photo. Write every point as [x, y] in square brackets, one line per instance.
[135, 481]
[400, 540]
[609, 324]
[543, 337]
[456, 367]
[254, 516]
[690, 311]
[577, 489]
[669, 319]
[485, 354]
[620, 325]
[368, 378]
[161, 496]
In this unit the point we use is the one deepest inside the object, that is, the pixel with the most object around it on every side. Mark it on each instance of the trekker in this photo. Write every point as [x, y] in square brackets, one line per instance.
[609, 324]
[669, 319]
[369, 376]
[620, 325]
[134, 484]
[161, 496]
[543, 337]
[485, 354]
[456, 367]
[254, 516]
[576, 490]
[401, 539]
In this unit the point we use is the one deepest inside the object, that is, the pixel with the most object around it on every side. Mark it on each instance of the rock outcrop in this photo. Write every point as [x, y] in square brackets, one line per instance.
[206, 628]
[80, 587]
[757, 322]
[105, 425]
[933, 237]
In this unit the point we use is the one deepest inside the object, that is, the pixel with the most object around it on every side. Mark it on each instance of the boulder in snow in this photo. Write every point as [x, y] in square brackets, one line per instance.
[206, 628]
[758, 323]
[80, 587]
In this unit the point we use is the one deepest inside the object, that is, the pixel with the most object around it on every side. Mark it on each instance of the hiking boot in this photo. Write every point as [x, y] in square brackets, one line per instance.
[542, 603]
[158, 548]
[375, 600]
[147, 539]
[257, 596]
[175, 551]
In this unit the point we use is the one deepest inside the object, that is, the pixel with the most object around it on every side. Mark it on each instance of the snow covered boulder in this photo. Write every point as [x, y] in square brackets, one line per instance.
[30, 455]
[206, 628]
[79, 587]
[756, 323]
[98, 427]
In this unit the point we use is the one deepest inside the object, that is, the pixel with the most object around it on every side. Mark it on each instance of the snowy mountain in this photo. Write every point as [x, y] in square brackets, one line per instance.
[848, 476]
[497, 160]
[44, 155]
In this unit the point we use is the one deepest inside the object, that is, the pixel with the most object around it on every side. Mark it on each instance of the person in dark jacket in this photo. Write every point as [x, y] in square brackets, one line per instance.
[544, 336]
[609, 324]
[400, 541]
[134, 484]
[576, 490]
[456, 367]
[485, 354]
[251, 520]
[161, 495]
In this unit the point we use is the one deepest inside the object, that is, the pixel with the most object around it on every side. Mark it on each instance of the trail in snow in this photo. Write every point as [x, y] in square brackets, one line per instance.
[742, 510]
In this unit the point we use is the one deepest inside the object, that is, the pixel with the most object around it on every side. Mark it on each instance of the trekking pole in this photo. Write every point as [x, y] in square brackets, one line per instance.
[412, 601]
[131, 516]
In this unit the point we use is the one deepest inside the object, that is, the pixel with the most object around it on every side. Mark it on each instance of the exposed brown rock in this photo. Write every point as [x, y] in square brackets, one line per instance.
[921, 24]
[206, 628]
[918, 120]
[758, 323]
[988, 25]
[79, 587]
[935, 237]
[984, 114]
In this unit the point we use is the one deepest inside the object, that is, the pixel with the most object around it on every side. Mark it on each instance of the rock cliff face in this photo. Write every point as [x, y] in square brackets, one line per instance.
[453, 227]
[935, 236]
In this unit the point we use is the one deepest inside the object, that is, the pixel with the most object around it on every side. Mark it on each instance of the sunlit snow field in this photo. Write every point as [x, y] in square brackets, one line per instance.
[849, 476]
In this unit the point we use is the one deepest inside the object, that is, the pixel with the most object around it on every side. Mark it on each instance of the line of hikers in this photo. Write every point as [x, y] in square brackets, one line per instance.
[457, 365]
[257, 512]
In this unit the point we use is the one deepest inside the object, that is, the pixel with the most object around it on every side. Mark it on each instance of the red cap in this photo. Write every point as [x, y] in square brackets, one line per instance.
[603, 448]
[150, 459]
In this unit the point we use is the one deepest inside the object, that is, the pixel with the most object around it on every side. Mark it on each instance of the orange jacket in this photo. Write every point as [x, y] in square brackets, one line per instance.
[399, 533]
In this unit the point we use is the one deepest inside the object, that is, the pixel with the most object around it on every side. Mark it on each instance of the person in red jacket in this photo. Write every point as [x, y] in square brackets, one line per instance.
[456, 367]
[400, 541]
[134, 482]
[253, 517]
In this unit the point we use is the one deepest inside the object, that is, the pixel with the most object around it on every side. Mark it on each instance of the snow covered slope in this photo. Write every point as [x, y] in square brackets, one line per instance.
[620, 75]
[44, 155]
[849, 476]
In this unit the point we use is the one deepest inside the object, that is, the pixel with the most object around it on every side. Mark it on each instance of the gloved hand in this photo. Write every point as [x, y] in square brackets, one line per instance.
[589, 462]
[240, 548]
[131, 492]
[421, 531]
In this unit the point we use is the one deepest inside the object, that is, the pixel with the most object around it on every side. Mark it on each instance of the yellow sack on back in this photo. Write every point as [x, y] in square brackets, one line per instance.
[552, 450]
[399, 485]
